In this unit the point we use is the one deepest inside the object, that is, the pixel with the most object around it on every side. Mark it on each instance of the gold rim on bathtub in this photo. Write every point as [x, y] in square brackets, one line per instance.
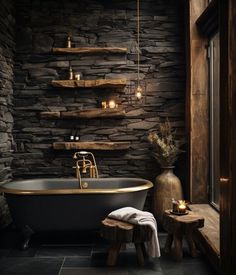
[145, 186]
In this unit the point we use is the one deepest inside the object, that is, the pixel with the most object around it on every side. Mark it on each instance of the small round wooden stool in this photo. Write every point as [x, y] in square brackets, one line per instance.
[178, 227]
[120, 233]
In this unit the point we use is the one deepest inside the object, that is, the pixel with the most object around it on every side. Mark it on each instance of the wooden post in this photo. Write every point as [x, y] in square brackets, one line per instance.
[197, 104]
[228, 136]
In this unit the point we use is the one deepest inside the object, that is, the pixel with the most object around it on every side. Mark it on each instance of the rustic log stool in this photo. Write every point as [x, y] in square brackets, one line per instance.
[178, 227]
[120, 233]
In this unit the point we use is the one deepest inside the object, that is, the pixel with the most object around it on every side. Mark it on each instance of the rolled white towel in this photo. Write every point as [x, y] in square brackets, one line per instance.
[135, 216]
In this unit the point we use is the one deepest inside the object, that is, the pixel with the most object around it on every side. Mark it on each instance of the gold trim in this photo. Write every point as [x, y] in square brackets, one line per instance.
[145, 186]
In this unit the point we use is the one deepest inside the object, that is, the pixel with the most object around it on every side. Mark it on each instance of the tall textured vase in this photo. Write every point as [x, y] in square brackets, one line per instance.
[167, 186]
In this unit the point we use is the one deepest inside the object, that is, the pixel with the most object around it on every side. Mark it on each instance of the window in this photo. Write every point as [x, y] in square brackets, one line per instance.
[214, 77]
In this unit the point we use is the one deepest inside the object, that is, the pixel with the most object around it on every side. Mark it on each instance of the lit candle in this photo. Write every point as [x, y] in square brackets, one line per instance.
[77, 76]
[182, 207]
[112, 104]
[138, 93]
[104, 104]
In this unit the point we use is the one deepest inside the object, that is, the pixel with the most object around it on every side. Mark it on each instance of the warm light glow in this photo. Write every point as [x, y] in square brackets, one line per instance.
[182, 206]
[112, 104]
[77, 76]
[104, 104]
[138, 93]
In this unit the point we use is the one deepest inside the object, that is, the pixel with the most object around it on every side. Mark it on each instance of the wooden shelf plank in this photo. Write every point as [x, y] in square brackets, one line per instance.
[96, 83]
[89, 50]
[50, 114]
[90, 113]
[91, 145]
[93, 113]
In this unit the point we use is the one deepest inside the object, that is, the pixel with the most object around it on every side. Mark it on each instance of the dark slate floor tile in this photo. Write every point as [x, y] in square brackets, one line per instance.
[93, 271]
[9, 238]
[16, 252]
[99, 259]
[58, 251]
[77, 262]
[4, 252]
[30, 266]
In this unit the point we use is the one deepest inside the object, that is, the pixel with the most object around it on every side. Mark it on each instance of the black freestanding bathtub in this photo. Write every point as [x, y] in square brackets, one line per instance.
[59, 204]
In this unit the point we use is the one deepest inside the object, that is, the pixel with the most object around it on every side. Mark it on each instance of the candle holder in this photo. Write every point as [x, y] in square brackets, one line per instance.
[77, 76]
[179, 207]
[182, 207]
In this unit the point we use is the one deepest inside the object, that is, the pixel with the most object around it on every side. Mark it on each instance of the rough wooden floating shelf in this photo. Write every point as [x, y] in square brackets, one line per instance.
[90, 113]
[89, 50]
[96, 83]
[91, 145]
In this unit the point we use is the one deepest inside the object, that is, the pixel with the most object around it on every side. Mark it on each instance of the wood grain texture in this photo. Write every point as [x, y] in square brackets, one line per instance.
[90, 113]
[120, 232]
[198, 106]
[211, 229]
[93, 113]
[89, 50]
[91, 145]
[179, 227]
[97, 83]
[50, 114]
[228, 137]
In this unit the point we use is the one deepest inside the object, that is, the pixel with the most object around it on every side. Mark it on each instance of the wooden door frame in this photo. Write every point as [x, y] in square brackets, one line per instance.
[197, 184]
[228, 136]
[197, 104]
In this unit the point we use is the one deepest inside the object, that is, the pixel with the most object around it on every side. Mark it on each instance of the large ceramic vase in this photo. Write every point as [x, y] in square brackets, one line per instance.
[167, 186]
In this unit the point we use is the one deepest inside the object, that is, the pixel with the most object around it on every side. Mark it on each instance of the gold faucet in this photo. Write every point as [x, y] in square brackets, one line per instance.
[84, 161]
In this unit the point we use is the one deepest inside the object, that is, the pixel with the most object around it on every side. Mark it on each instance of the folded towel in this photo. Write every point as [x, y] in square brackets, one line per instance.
[135, 216]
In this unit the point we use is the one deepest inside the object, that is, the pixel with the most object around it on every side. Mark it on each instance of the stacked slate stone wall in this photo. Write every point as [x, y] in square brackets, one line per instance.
[42, 25]
[7, 47]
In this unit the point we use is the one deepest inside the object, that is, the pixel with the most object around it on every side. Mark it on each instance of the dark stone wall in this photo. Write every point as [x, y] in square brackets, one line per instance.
[7, 46]
[42, 25]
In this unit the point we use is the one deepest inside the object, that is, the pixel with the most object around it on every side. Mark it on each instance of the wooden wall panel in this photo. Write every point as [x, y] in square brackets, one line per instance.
[228, 137]
[197, 107]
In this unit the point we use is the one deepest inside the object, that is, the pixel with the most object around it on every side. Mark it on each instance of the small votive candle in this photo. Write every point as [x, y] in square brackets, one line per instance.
[77, 76]
[112, 104]
[104, 104]
[182, 208]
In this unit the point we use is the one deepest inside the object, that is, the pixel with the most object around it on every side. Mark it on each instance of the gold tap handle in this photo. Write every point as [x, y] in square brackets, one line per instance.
[91, 171]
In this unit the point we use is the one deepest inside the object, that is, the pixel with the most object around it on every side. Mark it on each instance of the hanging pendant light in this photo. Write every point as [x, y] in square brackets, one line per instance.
[138, 89]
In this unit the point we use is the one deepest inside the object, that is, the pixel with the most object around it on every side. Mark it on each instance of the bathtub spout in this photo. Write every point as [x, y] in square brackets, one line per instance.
[85, 161]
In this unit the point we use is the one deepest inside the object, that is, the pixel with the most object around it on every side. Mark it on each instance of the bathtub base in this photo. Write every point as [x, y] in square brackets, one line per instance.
[27, 233]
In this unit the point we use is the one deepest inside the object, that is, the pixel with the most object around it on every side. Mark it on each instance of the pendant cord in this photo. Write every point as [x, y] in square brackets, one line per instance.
[138, 31]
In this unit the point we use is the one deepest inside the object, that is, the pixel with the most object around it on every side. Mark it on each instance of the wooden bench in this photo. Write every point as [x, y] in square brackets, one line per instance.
[179, 227]
[120, 233]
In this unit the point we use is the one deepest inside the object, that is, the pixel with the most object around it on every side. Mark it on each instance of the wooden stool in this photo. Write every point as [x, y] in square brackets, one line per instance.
[120, 233]
[178, 227]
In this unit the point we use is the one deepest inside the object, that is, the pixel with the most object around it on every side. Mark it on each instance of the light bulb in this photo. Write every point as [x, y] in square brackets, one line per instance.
[138, 93]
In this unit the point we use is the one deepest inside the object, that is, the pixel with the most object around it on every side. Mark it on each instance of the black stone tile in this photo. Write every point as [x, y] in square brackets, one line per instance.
[77, 262]
[16, 252]
[30, 266]
[4, 252]
[100, 247]
[9, 238]
[99, 259]
[58, 251]
[93, 271]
